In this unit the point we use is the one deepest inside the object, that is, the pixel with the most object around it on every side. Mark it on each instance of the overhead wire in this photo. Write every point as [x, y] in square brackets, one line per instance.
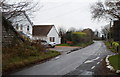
[58, 6]
[67, 13]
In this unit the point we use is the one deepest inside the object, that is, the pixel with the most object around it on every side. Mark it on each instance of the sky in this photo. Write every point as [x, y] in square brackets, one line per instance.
[66, 14]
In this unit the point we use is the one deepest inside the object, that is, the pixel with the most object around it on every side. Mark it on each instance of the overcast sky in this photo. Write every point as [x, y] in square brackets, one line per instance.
[67, 13]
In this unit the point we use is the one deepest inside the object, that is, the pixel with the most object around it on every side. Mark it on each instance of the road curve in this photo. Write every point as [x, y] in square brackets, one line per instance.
[63, 64]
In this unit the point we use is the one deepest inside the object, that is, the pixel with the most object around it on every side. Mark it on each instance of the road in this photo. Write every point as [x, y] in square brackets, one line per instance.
[80, 62]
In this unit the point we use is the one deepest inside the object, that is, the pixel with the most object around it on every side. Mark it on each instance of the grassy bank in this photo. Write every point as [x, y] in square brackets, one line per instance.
[114, 61]
[79, 44]
[112, 48]
[18, 57]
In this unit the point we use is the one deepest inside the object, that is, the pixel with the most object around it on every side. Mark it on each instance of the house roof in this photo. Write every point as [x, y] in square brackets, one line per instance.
[28, 18]
[41, 30]
[18, 13]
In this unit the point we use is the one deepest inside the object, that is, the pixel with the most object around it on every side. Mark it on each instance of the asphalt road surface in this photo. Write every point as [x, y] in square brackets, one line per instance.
[80, 62]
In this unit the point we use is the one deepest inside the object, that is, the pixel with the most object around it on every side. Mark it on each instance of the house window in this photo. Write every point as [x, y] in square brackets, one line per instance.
[27, 28]
[52, 39]
[16, 26]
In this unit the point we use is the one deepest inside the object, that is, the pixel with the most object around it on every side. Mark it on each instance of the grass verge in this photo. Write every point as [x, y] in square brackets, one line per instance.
[65, 44]
[115, 61]
[108, 44]
[13, 62]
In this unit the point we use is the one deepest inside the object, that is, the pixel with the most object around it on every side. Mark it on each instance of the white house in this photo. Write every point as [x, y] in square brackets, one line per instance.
[22, 24]
[46, 32]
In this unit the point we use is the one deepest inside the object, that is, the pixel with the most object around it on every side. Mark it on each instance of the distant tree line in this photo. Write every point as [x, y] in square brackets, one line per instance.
[74, 36]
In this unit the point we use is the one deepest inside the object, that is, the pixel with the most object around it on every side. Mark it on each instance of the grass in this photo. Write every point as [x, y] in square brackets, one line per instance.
[63, 44]
[108, 44]
[115, 61]
[79, 44]
[19, 62]
[19, 57]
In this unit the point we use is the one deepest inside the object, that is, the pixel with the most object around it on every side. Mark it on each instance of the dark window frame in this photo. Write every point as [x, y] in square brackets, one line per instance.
[21, 27]
[28, 28]
[52, 39]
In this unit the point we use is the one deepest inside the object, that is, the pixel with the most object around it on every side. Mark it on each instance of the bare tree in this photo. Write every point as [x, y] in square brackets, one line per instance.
[105, 31]
[15, 9]
[61, 31]
[96, 33]
[109, 9]
[72, 29]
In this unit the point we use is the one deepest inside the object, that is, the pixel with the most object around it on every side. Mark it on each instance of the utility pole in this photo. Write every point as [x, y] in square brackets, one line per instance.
[110, 34]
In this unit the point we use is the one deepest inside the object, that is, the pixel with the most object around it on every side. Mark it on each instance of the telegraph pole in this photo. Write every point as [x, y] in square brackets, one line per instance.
[110, 34]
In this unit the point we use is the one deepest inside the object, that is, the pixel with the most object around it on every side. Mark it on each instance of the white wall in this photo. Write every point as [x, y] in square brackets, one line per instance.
[39, 38]
[24, 22]
[53, 33]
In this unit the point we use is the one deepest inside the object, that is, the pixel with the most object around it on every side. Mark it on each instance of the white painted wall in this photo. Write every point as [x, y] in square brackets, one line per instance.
[39, 38]
[53, 33]
[24, 22]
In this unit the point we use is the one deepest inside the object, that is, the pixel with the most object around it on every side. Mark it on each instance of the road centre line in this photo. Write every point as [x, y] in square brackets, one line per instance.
[101, 60]
[92, 67]
[98, 62]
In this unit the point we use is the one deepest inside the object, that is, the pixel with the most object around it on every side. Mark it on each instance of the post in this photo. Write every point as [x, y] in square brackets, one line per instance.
[110, 35]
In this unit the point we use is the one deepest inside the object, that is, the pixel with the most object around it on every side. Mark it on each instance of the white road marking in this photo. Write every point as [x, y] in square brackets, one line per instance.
[92, 67]
[97, 58]
[98, 62]
[57, 57]
[89, 61]
[101, 60]
[99, 54]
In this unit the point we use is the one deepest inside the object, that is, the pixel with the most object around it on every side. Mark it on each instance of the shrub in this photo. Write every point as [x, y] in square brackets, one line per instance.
[80, 37]
[115, 46]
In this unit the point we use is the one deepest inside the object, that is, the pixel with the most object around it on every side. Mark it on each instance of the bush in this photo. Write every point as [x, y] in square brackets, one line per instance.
[115, 46]
[79, 37]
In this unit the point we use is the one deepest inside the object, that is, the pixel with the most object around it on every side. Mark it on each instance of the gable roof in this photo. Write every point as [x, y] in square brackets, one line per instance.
[18, 13]
[28, 18]
[41, 30]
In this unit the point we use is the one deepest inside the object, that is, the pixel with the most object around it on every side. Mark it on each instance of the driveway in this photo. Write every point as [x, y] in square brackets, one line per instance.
[63, 49]
[80, 62]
